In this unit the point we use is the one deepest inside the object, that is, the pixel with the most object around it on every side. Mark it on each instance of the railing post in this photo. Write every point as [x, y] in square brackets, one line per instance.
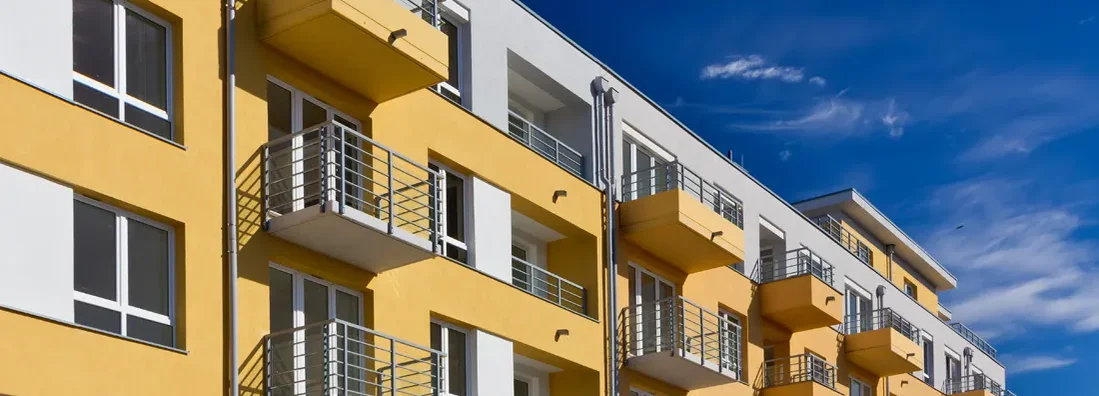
[342, 167]
[434, 13]
[559, 292]
[265, 168]
[267, 366]
[389, 187]
[326, 379]
[345, 364]
[393, 367]
[323, 158]
[721, 347]
[701, 337]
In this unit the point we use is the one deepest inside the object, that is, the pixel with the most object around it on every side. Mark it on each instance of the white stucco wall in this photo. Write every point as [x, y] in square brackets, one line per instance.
[491, 230]
[36, 244]
[493, 365]
[36, 43]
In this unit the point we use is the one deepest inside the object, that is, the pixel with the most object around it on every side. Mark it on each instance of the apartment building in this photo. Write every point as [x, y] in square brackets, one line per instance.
[382, 197]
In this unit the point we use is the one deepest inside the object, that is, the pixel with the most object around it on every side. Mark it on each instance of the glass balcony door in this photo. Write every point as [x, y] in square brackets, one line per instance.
[654, 297]
[859, 311]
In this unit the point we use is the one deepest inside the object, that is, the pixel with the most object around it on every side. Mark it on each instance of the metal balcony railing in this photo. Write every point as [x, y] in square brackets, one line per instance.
[679, 326]
[835, 230]
[798, 368]
[972, 383]
[884, 318]
[798, 262]
[675, 176]
[333, 163]
[334, 357]
[426, 9]
[974, 339]
[545, 144]
[548, 286]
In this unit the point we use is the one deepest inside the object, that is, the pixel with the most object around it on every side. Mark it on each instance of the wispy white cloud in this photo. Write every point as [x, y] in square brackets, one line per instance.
[753, 67]
[785, 155]
[1025, 364]
[818, 81]
[751, 108]
[1018, 255]
[1086, 21]
[839, 117]
[894, 119]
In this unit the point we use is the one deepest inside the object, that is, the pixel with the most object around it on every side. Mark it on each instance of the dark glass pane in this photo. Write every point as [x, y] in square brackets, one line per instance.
[102, 102]
[146, 60]
[452, 35]
[347, 307]
[93, 40]
[148, 267]
[457, 254]
[97, 317]
[94, 251]
[455, 208]
[522, 388]
[281, 370]
[279, 110]
[279, 166]
[316, 310]
[150, 331]
[149, 122]
[312, 115]
[456, 345]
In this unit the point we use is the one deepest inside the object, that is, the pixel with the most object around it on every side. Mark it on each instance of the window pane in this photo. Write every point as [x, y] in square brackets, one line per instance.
[147, 330]
[93, 40]
[455, 208]
[452, 35]
[99, 101]
[281, 289]
[456, 253]
[94, 248]
[347, 307]
[522, 388]
[146, 60]
[97, 317]
[456, 343]
[149, 122]
[148, 267]
[316, 310]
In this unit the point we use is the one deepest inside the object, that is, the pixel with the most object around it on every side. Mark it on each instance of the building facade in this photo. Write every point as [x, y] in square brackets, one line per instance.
[383, 197]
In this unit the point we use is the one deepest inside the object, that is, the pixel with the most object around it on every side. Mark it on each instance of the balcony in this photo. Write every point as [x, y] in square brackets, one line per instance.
[797, 293]
[374, 47]
[336, 357]
[845, 238]
[799, 375]
[335, 191]
[688, 222]
[975, 385]
[911, 385]
[883, 342]
[974, 339]
[545, 144]
[548, 286]
[682, 344]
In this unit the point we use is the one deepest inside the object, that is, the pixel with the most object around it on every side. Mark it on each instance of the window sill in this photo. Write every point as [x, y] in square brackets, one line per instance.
[92, 329]
[104, 115]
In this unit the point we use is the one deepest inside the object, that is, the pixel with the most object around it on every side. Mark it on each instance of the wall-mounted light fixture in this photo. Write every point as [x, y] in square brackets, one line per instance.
[559, 194]
[716, 234]
[396, 35]
[560, 332]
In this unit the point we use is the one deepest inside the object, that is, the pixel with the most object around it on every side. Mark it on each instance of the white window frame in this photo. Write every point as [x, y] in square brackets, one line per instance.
[929, 360]
[119, 93]
[738, 363]
[862, 387]
[297, 98]
[458, 15]
[639, 337]
[853, 288]
[467, 209]
[444, 347]
[531, 381]
[298, 279]
[122, 273]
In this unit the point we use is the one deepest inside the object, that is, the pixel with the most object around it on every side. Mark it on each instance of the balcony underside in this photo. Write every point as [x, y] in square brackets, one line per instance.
[685, 372]
[884, 352]
[801, 303]
[352, 42]
[680, 230]
[353, 237]
[805, 388]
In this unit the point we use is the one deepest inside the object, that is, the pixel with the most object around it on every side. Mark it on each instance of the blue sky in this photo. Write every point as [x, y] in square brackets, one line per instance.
[944, 114]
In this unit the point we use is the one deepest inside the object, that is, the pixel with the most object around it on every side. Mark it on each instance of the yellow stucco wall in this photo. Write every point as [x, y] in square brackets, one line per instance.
[926, 296]
[103, 159]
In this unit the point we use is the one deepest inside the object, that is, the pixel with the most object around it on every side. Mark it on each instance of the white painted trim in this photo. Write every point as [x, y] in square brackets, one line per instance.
[771, 226]
[952, 354]
[854, 286]
[444, 346]
[455, 10]
[467, 209]
[121, 303]
[632, 133]
[531, 381]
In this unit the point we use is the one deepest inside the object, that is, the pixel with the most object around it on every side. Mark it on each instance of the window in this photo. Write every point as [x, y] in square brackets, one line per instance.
[652, 295]
[731, 342]
[641, 173]
[454, 23]
[455, 214]
[859, 312]
[123, 280]
[953, 372]
[528, 269]
[523, 387]
[294, 164]
[635, 392]
[454, 342]
[928, 361]
[298, 357]
[122, 64]
[859, 388]
[910, 289]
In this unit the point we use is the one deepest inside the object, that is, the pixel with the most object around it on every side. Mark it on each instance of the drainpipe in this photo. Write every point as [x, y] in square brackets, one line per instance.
[605, 175]
[890, 250]
[231, 189]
